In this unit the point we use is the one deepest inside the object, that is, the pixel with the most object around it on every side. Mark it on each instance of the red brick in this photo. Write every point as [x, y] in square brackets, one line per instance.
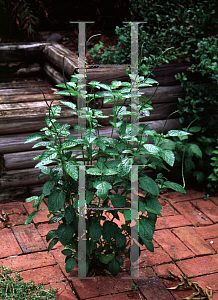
[41, 217]
[13, 208]
[9, 244]
[208, 232]
[192, 214]
[208, 208]
[172, 245]
[167, 209]
[58, 245]
[65, 291]
[43, 275]
[199, 265]
[215, 296]
[193, 240]
[101, 285]
[60, 259]
[163, 270]
[175, 197]
[28, 238]
[178, 295]
[158, 257]
[171, 222]
[214, 199]
[28, 261]
[17, 219]
[43, 229]
[213, 243]
[208, 280]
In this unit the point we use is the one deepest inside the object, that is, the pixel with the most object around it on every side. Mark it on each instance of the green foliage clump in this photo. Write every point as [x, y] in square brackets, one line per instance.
[179, 24]
[200, 105]
[13, 287]
[108, 180]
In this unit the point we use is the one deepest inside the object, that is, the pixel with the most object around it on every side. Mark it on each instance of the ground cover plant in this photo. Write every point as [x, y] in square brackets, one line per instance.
[12, 287]
[106, 243]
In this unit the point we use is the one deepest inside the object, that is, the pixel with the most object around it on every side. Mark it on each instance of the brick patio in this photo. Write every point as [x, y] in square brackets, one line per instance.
[186, 242]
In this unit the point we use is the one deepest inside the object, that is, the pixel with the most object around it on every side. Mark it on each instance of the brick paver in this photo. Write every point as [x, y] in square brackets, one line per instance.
[28, 238]
[185, 241]
[28, 261]
[41, 216]
[172, 245]
[191, 213]
[208, 232]
[171, 222]
[193, 240]
[208, 208]
[9, 245]
[199, 265]
[43, 275]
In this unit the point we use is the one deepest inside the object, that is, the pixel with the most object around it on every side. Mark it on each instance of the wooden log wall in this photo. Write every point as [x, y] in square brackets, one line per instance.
[23, 109]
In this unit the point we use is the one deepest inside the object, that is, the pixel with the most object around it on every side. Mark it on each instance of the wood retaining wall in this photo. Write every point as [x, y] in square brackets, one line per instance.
[25, 70]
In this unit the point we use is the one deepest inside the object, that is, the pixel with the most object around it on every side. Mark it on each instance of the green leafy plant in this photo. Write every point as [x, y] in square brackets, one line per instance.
[200, 105]
[176, 25]
[213, 177]
[12, 287]
[108, 164]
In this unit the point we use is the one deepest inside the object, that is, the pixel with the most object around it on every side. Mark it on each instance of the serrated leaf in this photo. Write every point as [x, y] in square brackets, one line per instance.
[71, 169]
[109, 230]
[52, 244]
[118, 201]
[114, 267]
[55, 219]
[65, 233]
[51, 235]
[95, 231]
[149, 185]
[70, 264]
[168, 157]
[176, 133]
[31, 216]
[151, 148]
[94, 171]
[146, 230]
[70, 214]
[105, 259]
[35, 137]
[47, 187]
[175, 186]
[69, 104]
[56, 200]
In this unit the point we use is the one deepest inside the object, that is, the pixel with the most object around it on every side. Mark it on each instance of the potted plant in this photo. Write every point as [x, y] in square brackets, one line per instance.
[108, 181]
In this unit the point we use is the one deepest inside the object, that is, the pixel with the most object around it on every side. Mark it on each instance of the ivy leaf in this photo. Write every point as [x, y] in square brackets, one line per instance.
[149, 185]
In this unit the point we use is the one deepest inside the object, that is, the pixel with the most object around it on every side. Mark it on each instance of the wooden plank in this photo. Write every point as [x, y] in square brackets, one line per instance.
[29, 98]
[11, 52]
[20, 178]
[26, 91]
[164, 94]
[25, 84]
[54, 76]
[20, 160]
[56, 54]
[18, 194]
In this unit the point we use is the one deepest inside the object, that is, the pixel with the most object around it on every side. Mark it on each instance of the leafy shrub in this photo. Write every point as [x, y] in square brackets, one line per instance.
[13, 287]
[200, 104]
[105, 244]
[179, 24]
